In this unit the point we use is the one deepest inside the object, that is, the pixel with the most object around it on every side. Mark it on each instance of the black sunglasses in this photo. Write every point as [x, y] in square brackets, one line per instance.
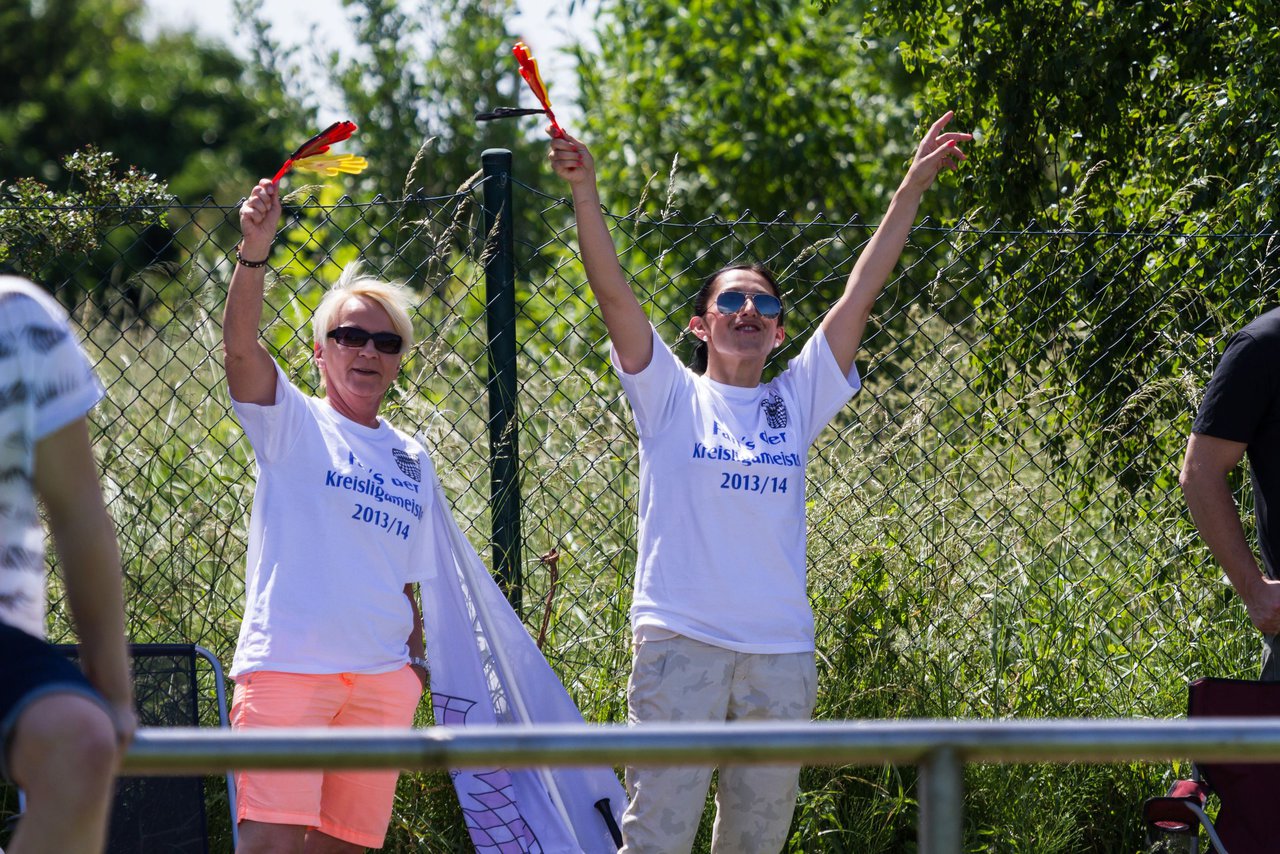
[732, 302]
[355, 337]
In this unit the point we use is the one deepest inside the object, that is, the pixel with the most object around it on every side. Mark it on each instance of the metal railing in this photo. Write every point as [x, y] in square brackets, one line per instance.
[940, 748]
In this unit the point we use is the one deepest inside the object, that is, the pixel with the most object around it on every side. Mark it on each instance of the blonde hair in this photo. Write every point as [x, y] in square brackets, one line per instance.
[392, 296]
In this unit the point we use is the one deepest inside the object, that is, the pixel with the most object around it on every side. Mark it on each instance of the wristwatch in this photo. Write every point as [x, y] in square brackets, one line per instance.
[419, 661]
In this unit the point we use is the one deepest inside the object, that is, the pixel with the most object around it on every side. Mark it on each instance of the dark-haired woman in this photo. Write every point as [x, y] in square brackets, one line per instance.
[722, 624]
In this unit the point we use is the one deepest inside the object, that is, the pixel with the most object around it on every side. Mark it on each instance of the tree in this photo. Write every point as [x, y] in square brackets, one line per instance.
[420, 72]
[1156, 117]
[81, 73]
[1164, 109]
[39, 226]
[766, 106]
[53, 237]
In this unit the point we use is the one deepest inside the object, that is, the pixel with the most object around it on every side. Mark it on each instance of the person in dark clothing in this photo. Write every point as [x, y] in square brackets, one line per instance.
[1239, 416]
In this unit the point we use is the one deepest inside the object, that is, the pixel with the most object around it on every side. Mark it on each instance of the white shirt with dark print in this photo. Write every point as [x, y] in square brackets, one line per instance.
[721, 553]
[46, 382]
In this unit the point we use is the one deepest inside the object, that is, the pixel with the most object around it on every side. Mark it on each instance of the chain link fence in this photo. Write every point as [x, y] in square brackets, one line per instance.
[995, 527]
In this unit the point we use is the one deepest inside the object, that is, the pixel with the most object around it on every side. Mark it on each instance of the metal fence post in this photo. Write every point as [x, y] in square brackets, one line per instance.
[941, 829]
[500, 315]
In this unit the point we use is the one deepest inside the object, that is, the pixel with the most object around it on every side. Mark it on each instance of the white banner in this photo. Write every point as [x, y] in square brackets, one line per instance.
[486, 669]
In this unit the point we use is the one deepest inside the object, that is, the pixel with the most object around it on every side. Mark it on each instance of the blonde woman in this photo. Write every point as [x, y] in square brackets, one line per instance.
[332, 630]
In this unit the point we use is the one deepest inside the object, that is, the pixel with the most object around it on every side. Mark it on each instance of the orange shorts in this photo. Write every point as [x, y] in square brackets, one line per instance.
[354, 806]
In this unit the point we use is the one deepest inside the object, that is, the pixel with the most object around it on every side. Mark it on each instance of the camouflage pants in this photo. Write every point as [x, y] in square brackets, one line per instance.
[678, 679]
[1270, 659]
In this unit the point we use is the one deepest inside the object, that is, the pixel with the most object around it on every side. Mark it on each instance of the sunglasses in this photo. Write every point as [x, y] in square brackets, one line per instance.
[355, 337]
[732, 302]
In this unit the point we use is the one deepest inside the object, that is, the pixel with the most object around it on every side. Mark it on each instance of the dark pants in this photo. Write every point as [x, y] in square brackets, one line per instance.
[30, 669]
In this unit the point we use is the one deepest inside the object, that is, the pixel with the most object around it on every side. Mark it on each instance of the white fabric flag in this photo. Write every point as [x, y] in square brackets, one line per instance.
[486, 669]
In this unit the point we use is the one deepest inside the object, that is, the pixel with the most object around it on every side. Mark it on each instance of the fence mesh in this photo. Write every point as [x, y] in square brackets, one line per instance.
[995, 527]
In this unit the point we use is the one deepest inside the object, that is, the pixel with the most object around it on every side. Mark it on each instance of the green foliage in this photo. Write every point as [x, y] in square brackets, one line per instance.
[759, 106]
[79, 72]
[42, 230]
[1165, 109]
[420, 71]
[1091, 116]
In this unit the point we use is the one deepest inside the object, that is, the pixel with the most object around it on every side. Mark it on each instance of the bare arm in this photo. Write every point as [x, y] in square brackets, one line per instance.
[1204, 483]
[623, 316]
[417, 645]
[251, 374]
[66, 479]
[847, 319]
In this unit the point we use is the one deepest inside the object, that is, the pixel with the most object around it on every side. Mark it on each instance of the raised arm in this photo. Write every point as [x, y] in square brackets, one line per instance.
[847, 319]
[624, 318]
[1204, 484]
[251, 374]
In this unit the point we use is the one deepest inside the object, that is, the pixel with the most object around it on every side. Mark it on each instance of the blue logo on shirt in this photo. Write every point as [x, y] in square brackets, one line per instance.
[775, 411]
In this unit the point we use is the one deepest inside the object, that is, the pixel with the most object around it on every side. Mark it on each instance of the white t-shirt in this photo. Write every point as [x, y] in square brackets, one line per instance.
[721, 556]
[46, 382]
[340, 524]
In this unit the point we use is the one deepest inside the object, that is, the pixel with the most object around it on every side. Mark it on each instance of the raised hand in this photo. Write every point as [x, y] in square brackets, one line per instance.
[571, 160]
[937, 151]
[259, 218]
[251, 372]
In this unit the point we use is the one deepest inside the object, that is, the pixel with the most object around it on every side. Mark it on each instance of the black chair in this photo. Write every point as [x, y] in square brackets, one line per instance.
[167, 814]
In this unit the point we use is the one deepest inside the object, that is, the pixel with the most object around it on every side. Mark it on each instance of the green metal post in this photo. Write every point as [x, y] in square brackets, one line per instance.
[500, 314]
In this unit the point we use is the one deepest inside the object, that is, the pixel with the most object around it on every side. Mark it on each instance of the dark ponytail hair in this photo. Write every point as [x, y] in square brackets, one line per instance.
[701, 302]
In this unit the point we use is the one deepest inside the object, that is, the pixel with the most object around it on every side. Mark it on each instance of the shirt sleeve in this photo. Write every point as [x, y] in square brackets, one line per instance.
[816, 384]
[653, 391]
[273, 429]
[61, 379]
[1240, 394]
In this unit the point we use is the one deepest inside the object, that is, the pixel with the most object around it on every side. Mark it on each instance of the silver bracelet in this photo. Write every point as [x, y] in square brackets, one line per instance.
[418, 661]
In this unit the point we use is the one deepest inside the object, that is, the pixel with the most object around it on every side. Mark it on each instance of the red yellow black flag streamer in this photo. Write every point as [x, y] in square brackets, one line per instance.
[313, 155]
[529, 71]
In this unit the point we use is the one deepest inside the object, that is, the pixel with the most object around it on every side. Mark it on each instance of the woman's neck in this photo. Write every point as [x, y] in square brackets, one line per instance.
[364, 415]
[740, 372]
